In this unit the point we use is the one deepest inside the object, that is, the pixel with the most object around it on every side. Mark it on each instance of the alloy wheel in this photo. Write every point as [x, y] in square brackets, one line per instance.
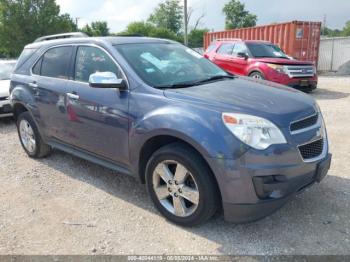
[27, 136]
[175, 188]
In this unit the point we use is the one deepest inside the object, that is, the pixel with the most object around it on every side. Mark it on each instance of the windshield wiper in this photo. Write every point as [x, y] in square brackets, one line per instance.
[213, 78]
[189, 84]
[180, 85]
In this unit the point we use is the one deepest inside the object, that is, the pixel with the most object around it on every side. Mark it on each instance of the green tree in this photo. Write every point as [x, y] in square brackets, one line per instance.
[97, 28]
[237, 16]
[169, 15]
[138, 29]
[330, 32]
[346, 29]
[22, 21]
[195, 37]
[150, 30]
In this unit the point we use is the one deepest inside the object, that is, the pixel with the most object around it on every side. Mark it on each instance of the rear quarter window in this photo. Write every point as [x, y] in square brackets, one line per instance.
[25, 55]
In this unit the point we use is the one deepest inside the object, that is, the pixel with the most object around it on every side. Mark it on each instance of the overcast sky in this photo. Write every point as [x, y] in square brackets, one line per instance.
[118, 13]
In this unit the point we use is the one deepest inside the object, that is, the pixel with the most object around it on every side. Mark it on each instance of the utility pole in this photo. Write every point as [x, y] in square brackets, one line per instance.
[324, 24]
[185, 23]
[76, 21]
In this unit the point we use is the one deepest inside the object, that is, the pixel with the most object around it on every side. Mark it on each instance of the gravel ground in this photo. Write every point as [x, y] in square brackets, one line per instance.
[65, 205]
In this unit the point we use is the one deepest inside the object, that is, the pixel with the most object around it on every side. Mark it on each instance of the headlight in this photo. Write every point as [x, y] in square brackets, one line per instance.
[256, 132]
[278, 68]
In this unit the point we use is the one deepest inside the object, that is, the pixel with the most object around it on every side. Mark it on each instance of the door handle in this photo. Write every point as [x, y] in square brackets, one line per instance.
[73, 96]
[34, 85]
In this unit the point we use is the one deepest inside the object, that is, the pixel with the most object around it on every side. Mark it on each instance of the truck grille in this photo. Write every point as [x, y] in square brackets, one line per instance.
[300, 71]
[304, 123]
[3, 98]
[311, 150]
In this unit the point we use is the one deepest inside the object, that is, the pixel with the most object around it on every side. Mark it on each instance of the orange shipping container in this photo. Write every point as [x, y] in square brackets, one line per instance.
[298, 39]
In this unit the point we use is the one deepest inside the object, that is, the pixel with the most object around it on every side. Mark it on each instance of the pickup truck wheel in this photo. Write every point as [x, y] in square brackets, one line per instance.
[30, 138]
[257, 75]
[181, 185]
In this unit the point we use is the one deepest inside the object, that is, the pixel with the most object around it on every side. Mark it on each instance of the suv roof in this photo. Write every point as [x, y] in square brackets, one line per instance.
[241, 40]
[114, 40]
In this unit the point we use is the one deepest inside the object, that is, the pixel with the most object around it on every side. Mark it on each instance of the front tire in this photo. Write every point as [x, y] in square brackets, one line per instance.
[30, 138]
[181, 185]
[257, 75]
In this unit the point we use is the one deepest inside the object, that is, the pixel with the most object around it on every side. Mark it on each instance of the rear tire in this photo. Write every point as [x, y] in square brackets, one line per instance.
[257, 75]
[188, 196]
[30, 138]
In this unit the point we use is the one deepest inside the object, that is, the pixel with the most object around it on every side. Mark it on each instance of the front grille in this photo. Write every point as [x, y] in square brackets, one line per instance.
[300, 71]
[3, 98]
[304, 123]
[311, 150]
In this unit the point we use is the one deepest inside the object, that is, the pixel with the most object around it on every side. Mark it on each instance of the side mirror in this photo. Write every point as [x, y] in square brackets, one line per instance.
[243, 55]
[107, 80]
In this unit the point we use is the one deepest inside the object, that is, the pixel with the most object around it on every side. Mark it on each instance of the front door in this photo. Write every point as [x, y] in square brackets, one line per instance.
[98, 117]
[239, 64]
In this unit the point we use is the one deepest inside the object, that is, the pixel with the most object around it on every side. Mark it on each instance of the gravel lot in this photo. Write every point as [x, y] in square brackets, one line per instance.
[65, 205]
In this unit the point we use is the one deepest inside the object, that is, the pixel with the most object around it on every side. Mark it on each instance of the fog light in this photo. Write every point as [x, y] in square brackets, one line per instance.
[273, 186]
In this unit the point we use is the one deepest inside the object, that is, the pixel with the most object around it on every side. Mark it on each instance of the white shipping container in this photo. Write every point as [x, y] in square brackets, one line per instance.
[334, 52]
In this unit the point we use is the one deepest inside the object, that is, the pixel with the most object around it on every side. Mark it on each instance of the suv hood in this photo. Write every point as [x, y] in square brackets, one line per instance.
[4, 88]
[277, 103]
[281, 61]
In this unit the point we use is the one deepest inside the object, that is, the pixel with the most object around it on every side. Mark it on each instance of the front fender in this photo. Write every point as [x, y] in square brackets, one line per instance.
[202, 129]
[255, 68]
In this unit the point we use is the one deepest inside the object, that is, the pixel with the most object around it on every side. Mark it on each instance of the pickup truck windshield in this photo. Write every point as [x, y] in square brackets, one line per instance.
[168, 65]
[259, 50]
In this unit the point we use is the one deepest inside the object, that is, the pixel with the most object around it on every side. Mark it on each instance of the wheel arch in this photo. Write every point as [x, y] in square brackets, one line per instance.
[18, 108]
[254, 70]
[159, 141]
[154, 143]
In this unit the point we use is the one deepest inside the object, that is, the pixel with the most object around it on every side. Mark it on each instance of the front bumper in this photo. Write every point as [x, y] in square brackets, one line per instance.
[243, 192]
[5, 108]
[304, 84]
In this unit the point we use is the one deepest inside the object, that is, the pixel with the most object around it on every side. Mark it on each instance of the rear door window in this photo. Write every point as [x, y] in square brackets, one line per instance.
[55, 62]
[225, 49]
[91, 60]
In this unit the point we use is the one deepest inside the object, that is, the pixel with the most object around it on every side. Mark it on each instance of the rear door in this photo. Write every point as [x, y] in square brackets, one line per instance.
[50, 76]
[239, 64]
[223, 57]
[98, 117]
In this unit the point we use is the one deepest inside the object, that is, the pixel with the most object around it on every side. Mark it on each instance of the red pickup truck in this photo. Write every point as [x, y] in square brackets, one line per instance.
[262, 60]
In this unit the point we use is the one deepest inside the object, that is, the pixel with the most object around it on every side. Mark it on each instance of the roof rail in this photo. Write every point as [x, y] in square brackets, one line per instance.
[228, 39]
[60, 36]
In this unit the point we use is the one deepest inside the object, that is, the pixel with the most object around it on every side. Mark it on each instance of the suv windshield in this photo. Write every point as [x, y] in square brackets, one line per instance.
[266, 50]
[6, 69]
[166, 65]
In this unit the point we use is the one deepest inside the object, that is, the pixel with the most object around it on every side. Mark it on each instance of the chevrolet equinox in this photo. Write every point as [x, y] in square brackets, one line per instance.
[201, 139]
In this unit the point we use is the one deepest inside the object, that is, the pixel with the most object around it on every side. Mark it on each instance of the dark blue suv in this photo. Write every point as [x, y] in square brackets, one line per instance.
[200, 138]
